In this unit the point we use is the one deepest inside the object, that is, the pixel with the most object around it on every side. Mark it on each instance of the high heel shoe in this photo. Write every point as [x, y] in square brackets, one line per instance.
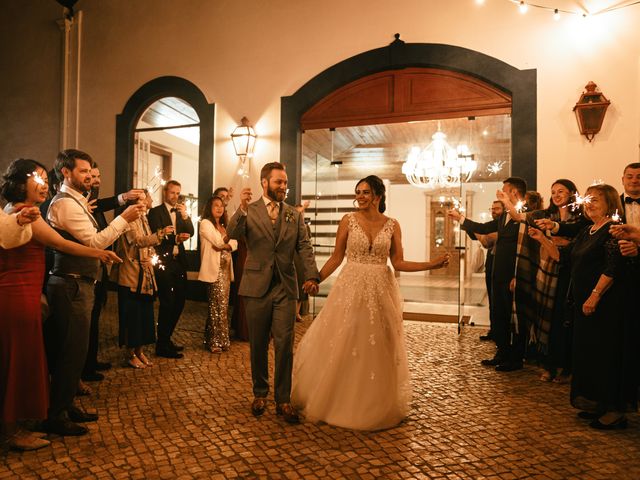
[143, 358]
[620, 424]
[136, 363]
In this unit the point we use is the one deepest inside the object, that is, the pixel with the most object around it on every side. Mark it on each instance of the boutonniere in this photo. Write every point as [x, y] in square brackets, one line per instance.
[288, 217]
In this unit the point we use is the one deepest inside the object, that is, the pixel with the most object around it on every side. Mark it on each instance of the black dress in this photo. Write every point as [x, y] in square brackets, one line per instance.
[603, 373]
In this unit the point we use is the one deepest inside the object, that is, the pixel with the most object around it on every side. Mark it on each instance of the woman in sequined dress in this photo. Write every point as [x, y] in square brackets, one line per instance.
[137, 287]
[216, 270]
[350, 368]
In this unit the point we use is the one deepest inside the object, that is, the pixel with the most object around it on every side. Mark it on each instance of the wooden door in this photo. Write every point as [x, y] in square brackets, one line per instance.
[443, 239]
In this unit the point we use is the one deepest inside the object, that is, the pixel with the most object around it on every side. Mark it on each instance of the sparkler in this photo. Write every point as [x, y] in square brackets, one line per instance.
[520, 206]
[155, 260]
[616, 218]
[36, 178]
[156, 182]
[579, 202]
[495, 167]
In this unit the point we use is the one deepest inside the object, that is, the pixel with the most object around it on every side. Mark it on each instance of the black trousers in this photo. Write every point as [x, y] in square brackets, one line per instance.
[100, 291]
[66, 334]
[172, 289]
[501, 326]
[488, 273]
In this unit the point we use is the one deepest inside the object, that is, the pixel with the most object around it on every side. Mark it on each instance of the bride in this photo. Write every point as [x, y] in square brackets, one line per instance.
[350, 368]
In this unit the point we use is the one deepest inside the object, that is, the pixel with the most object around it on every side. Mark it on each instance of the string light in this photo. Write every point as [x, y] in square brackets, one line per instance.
[523, 7]
[556, 14]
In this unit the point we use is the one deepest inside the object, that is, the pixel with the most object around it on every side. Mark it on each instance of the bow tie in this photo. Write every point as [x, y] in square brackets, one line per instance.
[173, 210]
[631, 200]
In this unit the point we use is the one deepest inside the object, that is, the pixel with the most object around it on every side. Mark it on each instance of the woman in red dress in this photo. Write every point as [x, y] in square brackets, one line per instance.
[24, 378]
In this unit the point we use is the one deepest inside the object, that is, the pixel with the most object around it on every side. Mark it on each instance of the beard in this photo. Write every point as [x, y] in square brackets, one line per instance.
[276, 195]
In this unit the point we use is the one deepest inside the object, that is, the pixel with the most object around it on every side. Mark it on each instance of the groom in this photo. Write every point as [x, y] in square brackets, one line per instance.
[273, 231]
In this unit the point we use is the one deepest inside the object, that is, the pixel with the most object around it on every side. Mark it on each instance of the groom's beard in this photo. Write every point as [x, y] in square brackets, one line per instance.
[276, 195]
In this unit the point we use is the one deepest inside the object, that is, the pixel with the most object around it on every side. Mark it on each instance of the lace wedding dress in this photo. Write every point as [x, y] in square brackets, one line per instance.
[350, 368]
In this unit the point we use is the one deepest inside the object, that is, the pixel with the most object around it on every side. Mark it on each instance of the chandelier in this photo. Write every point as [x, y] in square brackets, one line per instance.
[439, 165]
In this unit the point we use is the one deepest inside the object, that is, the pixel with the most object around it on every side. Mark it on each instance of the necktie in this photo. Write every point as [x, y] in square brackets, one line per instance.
[631, 200]
[274, 208]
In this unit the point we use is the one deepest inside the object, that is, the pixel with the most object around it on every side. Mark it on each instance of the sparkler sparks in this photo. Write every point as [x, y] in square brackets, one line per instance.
[155, 261]
[36, 178]
[579, 201]
[616, 218]
[156, 181]
[520, 206]
[494, 167]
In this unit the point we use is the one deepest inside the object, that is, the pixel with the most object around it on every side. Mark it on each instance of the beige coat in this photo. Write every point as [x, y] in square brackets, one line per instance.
[209, 257]
[135, 248]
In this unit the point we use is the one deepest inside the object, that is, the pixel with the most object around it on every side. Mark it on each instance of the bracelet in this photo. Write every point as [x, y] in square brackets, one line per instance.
[596, 291]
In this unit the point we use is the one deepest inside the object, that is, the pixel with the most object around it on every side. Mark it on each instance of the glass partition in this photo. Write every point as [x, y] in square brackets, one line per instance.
[334, 160]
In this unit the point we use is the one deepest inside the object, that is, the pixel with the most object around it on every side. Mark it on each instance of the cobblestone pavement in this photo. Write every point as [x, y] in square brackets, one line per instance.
[190, 418]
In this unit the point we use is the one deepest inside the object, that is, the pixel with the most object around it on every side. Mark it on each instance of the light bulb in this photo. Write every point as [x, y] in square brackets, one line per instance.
[241, 171]
[556, 15]
[480, 2]
[523, 7]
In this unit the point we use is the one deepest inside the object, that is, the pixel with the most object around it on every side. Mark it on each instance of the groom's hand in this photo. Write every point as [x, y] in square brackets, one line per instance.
[245, 198]
[310, 287]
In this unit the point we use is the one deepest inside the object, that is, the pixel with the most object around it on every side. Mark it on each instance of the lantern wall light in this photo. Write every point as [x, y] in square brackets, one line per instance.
[244, 141]
[590, 111]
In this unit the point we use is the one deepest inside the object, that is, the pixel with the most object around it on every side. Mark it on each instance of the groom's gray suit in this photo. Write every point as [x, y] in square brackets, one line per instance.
[270, 289]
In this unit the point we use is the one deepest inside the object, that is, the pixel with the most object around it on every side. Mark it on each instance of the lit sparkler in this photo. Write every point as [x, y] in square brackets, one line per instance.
[520, 206]
[495, 167]
[616, 218]
[580, 201]
[156, 181]
[155, 261]
[36, 178]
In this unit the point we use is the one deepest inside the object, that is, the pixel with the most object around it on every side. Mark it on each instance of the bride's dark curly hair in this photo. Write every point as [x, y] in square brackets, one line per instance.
[377, 187]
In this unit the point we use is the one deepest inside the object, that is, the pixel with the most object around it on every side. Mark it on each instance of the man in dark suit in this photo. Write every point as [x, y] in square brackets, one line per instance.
[92, 366]
[171, 270]
[509, 355]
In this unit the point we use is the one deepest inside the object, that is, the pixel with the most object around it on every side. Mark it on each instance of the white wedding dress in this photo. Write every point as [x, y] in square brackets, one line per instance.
[350, 368]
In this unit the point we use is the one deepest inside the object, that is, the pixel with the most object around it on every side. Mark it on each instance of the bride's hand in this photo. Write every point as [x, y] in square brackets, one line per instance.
[310, 287]
[442, 261]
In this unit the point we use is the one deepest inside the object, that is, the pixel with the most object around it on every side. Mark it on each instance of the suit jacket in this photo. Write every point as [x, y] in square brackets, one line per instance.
[504, 260]
[270, 251]
[159, 218]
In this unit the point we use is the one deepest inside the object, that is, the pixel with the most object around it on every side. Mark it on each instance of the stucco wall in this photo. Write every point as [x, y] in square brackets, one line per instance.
[244, 56]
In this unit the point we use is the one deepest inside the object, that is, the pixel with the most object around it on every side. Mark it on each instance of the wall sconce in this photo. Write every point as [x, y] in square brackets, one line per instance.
[244, 141]
[590, 111]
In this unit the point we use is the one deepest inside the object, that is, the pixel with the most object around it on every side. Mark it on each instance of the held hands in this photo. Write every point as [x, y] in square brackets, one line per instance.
[133, 212]
[27, 215]
[310, 287]
[590, 305]
[245, 198]
[625, 232]
[545, 224]
[628, 248]
[133, 195]
[442, 261]
[108, 257]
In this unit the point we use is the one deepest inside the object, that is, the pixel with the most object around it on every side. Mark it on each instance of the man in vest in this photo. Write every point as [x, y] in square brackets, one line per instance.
[70, 289]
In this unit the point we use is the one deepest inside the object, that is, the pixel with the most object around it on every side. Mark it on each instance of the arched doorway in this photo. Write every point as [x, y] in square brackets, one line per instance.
[519, 84]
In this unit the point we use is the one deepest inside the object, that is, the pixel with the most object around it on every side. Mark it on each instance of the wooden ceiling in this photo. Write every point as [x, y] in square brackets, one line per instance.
[381, 149]
[170, 112]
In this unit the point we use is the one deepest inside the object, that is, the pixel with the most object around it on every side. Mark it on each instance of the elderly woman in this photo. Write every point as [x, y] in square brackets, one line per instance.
[604, 383]
[137, 286]
[216, 271]
[24, 378]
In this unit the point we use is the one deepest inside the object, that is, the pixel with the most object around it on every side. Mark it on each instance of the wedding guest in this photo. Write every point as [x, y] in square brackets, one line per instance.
[172, 278]
[216, 270]
[15, 229]
[533, 200]
[70, 289]
[92, 366]
[508, 356]
[137, 285]
[24, 378]
[604, 381]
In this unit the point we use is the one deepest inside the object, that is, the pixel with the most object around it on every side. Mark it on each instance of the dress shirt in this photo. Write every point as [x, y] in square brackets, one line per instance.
[65, 214]
[172, 213]
[631, 212]
[11, 233]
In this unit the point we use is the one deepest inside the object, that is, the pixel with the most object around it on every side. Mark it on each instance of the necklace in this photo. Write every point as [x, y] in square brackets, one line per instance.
[592, 231]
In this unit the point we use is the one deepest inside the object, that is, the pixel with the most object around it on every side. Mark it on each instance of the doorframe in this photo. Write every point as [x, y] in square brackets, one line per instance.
[520, 84]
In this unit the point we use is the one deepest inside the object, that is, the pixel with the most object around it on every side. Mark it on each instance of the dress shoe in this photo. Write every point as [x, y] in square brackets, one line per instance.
[509, 367]
[92, 377]
[491, 362]
[176, 347]
[102, 366]
[80, 416]
[84, 390]
[258, 406]
[167, 352]
[619, 424]
[288, 413]
[486, 337]
[589, 415]
[64, 427]
[28, 441]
